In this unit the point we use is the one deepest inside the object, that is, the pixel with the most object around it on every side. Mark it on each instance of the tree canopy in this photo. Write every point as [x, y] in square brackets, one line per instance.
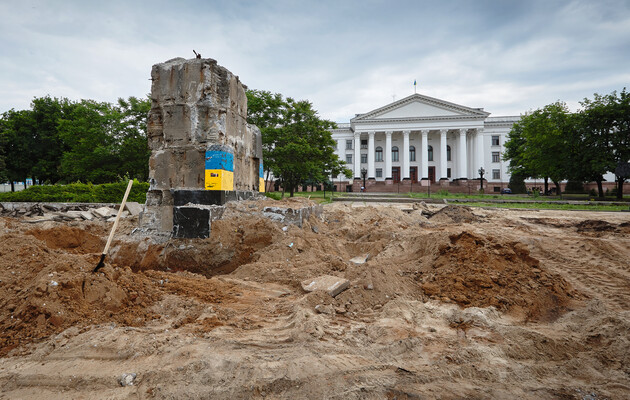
[536, 145]
[297, 145]
[58, 140]
[553, 143]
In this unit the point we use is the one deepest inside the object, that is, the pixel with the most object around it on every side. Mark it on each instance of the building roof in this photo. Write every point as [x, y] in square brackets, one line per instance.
[420, 107]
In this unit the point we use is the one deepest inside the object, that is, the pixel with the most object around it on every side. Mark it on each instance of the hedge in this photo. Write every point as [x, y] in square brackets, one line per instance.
[80, 193]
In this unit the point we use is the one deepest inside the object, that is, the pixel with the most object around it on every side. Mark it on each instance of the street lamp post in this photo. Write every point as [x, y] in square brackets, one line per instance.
[363, 174]
[481, 173]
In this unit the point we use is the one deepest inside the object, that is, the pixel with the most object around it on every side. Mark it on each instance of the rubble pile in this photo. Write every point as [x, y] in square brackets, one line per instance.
[41, 212]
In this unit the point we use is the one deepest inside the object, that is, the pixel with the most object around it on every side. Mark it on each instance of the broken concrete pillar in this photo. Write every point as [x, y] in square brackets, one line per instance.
[203, 151]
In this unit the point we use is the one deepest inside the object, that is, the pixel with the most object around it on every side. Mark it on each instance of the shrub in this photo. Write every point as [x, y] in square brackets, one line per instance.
[273, 195]
[80, 193]
[517, 184]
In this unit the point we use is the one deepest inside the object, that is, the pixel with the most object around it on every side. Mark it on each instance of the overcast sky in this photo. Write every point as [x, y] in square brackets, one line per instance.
[346, 57]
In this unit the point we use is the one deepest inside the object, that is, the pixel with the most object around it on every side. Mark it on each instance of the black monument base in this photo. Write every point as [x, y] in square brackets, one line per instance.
[192, 216]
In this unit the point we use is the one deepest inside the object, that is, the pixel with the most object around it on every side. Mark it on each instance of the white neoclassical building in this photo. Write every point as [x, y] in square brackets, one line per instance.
[422, 141]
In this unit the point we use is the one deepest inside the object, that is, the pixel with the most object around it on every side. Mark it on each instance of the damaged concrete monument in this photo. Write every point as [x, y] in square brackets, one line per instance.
[203, 151]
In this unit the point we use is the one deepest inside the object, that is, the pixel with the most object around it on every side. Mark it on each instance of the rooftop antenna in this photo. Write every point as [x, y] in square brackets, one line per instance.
[414, 86]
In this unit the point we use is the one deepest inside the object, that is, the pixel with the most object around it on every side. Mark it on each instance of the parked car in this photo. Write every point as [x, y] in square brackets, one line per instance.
[506, 191]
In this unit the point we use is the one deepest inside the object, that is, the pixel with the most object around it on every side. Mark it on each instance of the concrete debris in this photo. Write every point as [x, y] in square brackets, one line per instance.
[325, 309]
[358, 260]
[86, 215]
[127, 379]
[294, 216]
[423, 208]
[104, 212]
[133, 207]
[330, 284]
[74, 214]
[61, 212]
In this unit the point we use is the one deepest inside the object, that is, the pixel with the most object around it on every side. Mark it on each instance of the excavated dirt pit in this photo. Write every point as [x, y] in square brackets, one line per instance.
[468, 303]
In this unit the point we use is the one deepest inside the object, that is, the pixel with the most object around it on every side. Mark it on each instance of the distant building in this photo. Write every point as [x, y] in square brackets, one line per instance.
[420, 141]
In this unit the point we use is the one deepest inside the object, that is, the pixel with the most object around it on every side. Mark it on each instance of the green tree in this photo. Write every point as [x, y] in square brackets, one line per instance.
[58, 140]
[266, 110]
[3, 167]
[538, 144]
[48, 147]
[515, 150]
[88, 131]
[32, 145]
[589, 158]
[133, 149]
[105, 142]
[605, 123]
[19, 144]
[297, 144]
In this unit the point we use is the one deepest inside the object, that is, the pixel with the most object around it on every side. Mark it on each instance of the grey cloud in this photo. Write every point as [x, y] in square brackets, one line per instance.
[346, 57]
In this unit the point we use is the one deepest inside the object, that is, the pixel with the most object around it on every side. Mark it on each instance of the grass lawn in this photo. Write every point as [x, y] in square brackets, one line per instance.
[548, 205]
[540, 202]
[315, 196]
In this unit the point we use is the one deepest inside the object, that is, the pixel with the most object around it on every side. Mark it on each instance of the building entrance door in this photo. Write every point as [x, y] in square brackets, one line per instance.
[396, 174]
[413, 174]
[432, 174]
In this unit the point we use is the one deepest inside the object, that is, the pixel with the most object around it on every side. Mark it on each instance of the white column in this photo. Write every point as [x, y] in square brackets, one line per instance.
[357, 155]
[424, 156]
[443, 159]
[463, 163]
[388, 154]
[405, 154]
[341, 152]
[481, 161]
[371, 169]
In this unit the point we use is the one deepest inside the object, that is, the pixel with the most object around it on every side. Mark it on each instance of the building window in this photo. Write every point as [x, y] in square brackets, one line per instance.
[363, 158]
[412, 153]
[394, 153]
[448, 153]
[379, 154]
[430, 151]
[448, 172]
[349, 144]
[348, 158]
[497, 189]
[495, 141]
[496, 156]
[379, 172]
[496, 174]
[364, 143]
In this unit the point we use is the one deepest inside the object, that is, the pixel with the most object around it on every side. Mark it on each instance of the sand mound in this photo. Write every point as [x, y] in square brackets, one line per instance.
[72, 239]
[50, 290]
[457, 214]
[594, 225]
[481, 272]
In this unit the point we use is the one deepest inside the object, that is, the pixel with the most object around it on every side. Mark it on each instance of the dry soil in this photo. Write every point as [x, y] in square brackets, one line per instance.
[464, 303]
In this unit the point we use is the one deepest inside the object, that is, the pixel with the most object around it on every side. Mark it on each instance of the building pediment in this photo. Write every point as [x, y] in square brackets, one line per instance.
[420, 107]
